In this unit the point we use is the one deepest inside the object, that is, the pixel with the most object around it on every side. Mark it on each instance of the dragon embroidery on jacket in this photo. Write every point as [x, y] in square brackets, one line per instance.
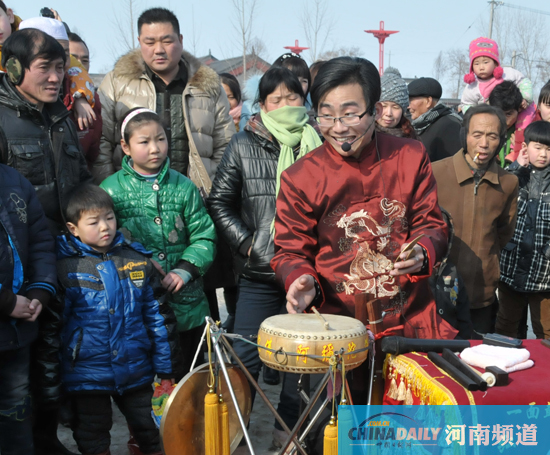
[369, 270]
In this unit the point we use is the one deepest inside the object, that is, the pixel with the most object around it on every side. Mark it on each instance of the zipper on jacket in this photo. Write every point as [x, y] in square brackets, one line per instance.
[473, 218]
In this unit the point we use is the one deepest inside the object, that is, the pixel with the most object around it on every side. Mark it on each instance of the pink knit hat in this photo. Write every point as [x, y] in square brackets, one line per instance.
[483, 47]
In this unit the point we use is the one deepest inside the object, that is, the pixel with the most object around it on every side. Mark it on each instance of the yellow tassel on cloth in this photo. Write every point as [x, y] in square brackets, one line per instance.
[330, 443]
[409, 396]
[224, 417]
[392, 391]
[401, 391]
[425, 387]
[211, 424]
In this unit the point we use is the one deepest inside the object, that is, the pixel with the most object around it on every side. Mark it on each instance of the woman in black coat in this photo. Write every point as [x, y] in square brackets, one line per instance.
[242, 204]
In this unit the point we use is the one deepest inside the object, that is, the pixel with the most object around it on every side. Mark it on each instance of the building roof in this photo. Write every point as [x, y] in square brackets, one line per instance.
[235, 65]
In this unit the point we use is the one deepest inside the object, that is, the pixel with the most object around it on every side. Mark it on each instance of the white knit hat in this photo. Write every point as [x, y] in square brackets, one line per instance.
[394, 88]
[49, 26]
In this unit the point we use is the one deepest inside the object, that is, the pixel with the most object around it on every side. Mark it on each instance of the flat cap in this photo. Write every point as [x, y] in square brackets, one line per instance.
[425, 86]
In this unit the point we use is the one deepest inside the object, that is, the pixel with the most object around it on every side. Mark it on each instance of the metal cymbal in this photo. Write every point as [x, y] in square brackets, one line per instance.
[182, 425]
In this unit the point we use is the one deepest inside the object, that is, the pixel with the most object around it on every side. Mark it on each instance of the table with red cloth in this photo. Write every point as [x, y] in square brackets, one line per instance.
[424, 383]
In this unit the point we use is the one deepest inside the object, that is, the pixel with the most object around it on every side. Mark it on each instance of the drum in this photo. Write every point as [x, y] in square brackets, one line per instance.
[311, 335]
[182, 424]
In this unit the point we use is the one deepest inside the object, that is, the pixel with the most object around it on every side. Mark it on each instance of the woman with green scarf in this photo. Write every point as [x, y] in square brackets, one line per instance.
[242, 204]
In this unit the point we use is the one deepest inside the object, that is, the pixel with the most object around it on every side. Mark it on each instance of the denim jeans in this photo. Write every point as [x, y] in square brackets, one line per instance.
[15, 403]
[257, 301]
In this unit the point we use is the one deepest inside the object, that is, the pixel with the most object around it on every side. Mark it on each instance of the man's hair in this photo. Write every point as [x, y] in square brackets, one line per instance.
[344, 71]
[233, 84]
[275, 76]
[538, 132]
[315, 67]
[158, 15]
[29, 44]
[87, 198]
[296, 64]
[485, 109]
[506, 96]
[3, 6]
[544, 96]
[77, 39]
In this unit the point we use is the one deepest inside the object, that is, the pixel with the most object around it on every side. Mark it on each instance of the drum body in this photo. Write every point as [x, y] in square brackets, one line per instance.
[182, 424]
[306, 335]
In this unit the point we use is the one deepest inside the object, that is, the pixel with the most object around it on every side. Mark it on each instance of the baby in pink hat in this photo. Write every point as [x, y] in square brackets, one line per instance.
[486, 73]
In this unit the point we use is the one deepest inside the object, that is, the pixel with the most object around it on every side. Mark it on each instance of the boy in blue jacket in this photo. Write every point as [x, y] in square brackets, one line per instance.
[115, 336]
[27, 282]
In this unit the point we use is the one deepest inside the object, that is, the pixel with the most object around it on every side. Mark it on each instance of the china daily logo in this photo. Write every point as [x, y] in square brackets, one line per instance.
[444, 430]
[376, 428]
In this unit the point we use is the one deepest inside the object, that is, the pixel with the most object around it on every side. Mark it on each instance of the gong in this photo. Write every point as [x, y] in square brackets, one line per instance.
[182, 424]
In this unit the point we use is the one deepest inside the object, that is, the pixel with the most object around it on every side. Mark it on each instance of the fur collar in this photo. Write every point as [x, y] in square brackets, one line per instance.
[132, 66]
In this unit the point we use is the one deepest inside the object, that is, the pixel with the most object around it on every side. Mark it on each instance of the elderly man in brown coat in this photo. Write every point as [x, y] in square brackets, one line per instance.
[187, 96]
[482, 199]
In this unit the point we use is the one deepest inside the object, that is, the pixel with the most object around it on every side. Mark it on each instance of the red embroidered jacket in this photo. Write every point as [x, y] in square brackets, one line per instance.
[343, 220]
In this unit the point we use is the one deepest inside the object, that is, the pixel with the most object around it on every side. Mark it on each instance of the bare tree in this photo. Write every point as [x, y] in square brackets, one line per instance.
[530, 45]
[354, 51]
[256, 52]
[440, 67]
[124, 21]
[457, 65]
[522, 40]
[317, 26]
[244, 14]
[503, 23]
[195, 36]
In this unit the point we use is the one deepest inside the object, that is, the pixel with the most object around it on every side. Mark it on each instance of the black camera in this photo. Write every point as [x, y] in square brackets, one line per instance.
[47, 12]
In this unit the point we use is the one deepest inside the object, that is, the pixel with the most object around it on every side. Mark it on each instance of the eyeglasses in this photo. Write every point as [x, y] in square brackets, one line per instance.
[346, 120]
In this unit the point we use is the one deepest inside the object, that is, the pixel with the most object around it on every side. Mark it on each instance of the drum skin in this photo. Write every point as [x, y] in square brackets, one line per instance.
[182, 424]
[305, 334]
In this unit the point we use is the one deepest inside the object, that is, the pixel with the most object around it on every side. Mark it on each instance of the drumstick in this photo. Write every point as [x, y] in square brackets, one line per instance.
[453, 372]
[462, 366]
[320, 316]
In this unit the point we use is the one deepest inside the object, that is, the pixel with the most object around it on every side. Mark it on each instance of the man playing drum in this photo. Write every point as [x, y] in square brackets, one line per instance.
[346, 211]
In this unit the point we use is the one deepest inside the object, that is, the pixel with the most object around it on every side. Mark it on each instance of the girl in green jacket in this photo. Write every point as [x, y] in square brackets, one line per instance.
[163, 210]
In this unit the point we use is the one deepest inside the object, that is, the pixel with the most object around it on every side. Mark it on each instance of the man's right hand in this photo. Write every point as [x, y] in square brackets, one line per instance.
[300, 294]
[23, 308]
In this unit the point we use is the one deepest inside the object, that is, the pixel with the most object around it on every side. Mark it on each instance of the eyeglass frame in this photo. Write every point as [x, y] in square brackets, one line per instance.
[317, 119]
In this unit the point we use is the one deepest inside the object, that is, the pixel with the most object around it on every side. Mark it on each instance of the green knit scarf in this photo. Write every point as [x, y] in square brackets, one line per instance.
[289, 126]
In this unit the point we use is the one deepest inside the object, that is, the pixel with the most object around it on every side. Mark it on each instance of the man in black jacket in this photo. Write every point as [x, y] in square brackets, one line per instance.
[436, 125]
[42, 143]
[39, 140]
[27, 282]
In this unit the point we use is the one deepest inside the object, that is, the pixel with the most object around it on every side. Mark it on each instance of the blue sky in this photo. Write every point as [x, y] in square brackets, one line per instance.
[426, 26]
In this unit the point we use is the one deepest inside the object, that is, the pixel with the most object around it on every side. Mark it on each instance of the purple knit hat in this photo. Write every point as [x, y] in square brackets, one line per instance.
[485, 47]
